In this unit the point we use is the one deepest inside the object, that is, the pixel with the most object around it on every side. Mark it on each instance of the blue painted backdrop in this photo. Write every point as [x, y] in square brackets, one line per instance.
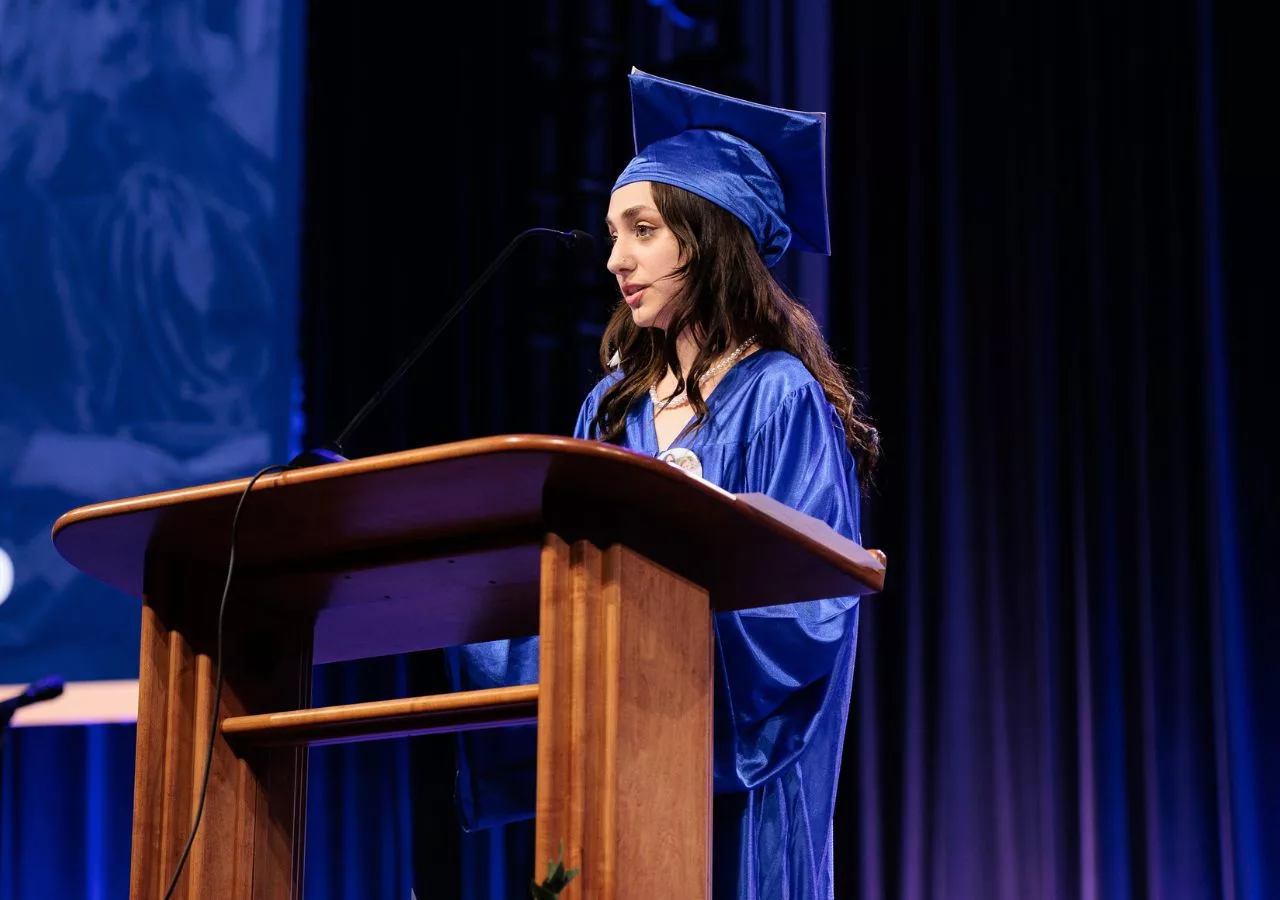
[148, 193]
[147, 309]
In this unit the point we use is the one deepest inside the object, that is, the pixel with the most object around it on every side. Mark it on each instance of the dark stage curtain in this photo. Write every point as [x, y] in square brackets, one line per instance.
[1055, 225]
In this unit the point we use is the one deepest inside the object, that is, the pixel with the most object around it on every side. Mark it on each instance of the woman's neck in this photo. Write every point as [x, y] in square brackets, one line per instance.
[686, 351]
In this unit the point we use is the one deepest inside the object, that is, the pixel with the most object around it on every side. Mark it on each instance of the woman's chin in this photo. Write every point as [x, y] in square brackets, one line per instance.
[644, 318]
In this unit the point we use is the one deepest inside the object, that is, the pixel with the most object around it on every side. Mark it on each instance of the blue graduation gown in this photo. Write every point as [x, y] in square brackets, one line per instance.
[783, 674]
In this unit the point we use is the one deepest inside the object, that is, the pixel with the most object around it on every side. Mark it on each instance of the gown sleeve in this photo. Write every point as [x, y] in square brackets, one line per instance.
[785, 671]
[585, 414]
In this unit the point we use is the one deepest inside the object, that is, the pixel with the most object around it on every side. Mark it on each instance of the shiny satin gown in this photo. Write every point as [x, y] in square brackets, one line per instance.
[783, 674]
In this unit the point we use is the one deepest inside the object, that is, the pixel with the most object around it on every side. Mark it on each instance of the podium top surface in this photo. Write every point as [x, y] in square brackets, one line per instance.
[469, 516]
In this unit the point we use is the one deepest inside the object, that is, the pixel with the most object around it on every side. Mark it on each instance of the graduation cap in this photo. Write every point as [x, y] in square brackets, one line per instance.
[766, 165]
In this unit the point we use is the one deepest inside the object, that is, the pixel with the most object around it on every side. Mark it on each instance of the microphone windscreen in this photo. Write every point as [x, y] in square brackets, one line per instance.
[46, 688]
[580, 238]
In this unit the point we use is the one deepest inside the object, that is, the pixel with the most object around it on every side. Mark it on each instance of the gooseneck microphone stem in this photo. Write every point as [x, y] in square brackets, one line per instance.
[334, 449]
[433, 334]
[44, 689]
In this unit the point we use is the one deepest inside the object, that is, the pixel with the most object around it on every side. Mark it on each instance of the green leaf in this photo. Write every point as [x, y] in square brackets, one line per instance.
[556, 880]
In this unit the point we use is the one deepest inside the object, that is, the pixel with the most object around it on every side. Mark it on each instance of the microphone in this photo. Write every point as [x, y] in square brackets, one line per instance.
[577, 238]
[44, 689]
[333, 450]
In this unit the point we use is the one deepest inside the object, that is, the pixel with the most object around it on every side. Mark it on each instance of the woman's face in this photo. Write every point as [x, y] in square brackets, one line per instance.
[644, 255]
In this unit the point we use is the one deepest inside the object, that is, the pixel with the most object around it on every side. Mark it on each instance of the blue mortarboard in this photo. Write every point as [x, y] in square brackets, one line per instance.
[767, 166]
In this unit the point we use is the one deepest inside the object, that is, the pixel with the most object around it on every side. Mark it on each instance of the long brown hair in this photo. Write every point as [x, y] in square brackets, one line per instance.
[728, 294]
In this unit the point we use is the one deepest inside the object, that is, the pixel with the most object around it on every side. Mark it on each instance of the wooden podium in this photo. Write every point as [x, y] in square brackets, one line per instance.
[615, 559]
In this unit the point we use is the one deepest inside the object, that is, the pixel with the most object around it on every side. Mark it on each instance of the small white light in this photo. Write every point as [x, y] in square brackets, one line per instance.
[6, 575]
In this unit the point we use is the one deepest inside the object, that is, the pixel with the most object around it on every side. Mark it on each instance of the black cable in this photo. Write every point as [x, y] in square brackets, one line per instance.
[217, 691]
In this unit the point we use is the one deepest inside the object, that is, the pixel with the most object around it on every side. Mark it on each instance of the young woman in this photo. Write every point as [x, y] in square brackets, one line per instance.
[716, 368]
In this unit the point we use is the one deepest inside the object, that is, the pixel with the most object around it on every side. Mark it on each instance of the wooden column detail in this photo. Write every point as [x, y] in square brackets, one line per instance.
[624, 724]
[250, 839]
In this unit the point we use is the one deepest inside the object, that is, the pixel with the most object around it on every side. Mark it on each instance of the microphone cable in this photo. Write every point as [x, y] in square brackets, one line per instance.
[217, 690]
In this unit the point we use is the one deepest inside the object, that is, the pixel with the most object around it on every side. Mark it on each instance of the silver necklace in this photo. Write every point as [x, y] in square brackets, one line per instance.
[682, 399]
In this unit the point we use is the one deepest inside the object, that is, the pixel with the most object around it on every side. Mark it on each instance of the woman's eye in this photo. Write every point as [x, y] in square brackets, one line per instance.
[644, 230]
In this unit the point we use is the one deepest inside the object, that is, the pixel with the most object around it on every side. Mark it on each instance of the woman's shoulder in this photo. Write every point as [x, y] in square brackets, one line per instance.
[775, 375]
[603, 384]
[781, 391]
[592, 401]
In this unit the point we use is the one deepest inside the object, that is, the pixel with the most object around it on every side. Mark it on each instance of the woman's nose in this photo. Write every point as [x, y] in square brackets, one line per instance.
[618, 260]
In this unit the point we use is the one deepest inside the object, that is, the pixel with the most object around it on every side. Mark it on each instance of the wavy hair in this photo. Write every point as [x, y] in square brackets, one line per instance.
[728, 294]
